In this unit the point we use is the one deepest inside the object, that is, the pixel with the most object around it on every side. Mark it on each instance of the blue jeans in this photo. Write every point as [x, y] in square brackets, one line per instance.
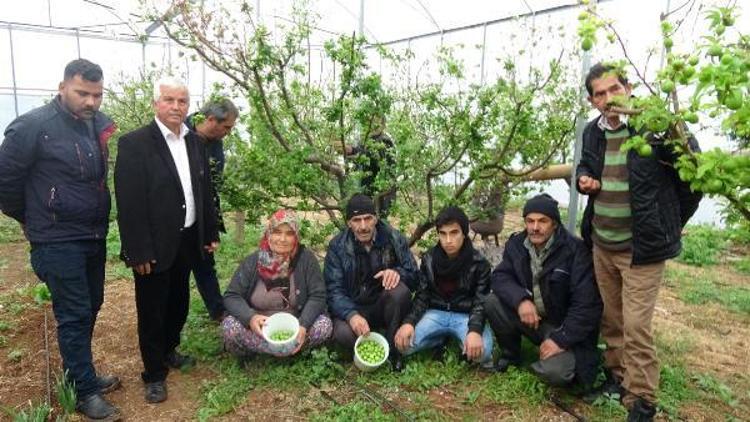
[435, 325]
[208, 285]
[74, 274]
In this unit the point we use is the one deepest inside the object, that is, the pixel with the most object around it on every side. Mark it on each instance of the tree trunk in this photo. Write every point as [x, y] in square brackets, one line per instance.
[239, 227]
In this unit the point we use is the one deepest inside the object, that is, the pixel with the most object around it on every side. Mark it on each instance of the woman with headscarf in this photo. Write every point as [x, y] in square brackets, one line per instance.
[281, 276]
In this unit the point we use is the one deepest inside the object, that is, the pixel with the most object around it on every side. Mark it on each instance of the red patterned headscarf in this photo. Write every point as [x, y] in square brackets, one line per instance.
[271, 265]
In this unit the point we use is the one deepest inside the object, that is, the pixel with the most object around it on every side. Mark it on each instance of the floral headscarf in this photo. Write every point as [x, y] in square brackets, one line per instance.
[272, 266]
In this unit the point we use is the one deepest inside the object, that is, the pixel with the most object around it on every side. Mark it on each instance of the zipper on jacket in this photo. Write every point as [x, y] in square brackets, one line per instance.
[80, 159]
[51, 200]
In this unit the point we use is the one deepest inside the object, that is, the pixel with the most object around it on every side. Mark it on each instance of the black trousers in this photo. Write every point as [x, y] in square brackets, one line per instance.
[162, 300]
[387, 312]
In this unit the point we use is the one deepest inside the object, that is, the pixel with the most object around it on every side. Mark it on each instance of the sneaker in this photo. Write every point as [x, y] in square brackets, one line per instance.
[642, 411]
[156, 392]
[177, 360]
[611, 387]
[94, 407]
[108, 383]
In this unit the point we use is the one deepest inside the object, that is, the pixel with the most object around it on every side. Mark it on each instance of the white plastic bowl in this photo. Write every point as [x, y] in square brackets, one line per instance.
[281, 321]
[365, 366]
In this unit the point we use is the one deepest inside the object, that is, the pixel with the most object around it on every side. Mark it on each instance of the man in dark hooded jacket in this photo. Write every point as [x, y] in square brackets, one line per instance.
[544, 289]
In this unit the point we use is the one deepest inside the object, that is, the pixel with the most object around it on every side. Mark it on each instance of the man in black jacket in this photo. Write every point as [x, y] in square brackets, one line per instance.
[544, 289]
[633, 220]
[212, 123]
[167, 221]
[53, 181]
[454, 280]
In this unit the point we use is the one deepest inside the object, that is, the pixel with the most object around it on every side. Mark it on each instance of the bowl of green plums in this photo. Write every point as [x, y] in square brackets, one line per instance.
[280, 331]
[370, 351]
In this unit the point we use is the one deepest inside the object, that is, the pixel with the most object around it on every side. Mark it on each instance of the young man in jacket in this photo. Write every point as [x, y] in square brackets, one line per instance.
[544, 289]
[370, 274]
[633, 220]
[454, 280]
[167, 221]
[217, 118]
[53, 181]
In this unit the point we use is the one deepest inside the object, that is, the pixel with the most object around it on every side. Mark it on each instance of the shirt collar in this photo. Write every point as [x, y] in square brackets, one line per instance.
[603, 123]
[540, 253]
[166, 132]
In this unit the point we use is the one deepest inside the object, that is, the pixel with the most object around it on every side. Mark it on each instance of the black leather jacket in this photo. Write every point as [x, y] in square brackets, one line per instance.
[660, 202]
[473, 286]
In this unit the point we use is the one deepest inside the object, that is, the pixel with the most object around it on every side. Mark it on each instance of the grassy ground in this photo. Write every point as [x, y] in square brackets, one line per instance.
[701, 328]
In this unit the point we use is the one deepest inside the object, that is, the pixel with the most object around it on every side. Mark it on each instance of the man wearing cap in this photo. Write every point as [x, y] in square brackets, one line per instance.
[454, 280]
[369, 273]
[544, 289]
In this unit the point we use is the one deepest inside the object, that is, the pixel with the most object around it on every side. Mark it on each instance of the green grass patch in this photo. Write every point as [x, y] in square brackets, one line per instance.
[10, 230]
[712, 388]
[699, 291]
[702, 245]
[354, 411]
[742, 266]
[33, 413]
[515, 388]
[674, 389]
[672, 349]
[222, 394]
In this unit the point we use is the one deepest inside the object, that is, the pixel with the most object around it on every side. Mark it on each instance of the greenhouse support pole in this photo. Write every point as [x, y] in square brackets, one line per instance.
[484, 50]
[361, 18]
[78, 42]
[13, 70]
[580, 124]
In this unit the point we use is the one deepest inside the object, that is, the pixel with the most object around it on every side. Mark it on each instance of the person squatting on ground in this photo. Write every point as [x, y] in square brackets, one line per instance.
[633, 220]
[544, 289]
[370, 274]
[281, 276]
[53, 181]
[217, 118]
[454, 280]
[167, 222]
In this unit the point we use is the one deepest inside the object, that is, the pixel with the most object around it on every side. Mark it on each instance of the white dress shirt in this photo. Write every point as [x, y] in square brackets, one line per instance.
[178, 149]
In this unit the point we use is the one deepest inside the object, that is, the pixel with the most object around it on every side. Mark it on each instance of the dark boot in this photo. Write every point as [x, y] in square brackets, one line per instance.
[94, 407]
[397, 362]
[505, 362]
[108, 383]
[156, 392]
[177, 360]
[642, 411]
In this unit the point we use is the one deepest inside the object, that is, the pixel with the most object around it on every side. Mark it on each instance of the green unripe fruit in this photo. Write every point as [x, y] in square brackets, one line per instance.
[691, 117]
[689, 71]
[727, 20]
[645, 150]
[719, 29]
[713, 186]
[586, 44]
[667, 86]
[668, 43]
[734, 100]
[693, 60]
[715, 50]
[282, 335]
[583, 16]
[727, 59]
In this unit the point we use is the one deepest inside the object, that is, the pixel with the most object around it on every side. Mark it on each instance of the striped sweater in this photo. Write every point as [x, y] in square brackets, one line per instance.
[612, 215]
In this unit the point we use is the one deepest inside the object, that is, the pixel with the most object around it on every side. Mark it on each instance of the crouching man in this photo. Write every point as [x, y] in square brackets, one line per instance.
[544, 289]
[449, 302]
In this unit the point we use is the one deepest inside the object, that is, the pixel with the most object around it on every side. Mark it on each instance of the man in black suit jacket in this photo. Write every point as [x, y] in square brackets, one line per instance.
[167, 221]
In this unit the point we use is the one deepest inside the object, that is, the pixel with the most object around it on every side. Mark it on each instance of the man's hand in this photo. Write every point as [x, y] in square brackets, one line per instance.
[549, 348]
[145, 268]
[527, 313]
[359, 325]
[404, 337]
[211, 247]
[473, 346]
[257, 322]
[390, 278]
[588, 184]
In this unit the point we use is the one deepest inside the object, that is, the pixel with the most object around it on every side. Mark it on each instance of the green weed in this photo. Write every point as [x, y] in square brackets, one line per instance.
[674, 388]
[515, 387]
[10, 230]
[33, 413]
[15, 355]
[229, 389]
[422, 373]
[698, 291]
[742, 266]
[702, 245]
[673, 348]
[201, 336]
[5, 326]
[354, 411]
[66, 393]
[714, 388]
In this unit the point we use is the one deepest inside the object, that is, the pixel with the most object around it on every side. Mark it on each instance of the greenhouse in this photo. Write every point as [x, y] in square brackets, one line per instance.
[420, 185]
